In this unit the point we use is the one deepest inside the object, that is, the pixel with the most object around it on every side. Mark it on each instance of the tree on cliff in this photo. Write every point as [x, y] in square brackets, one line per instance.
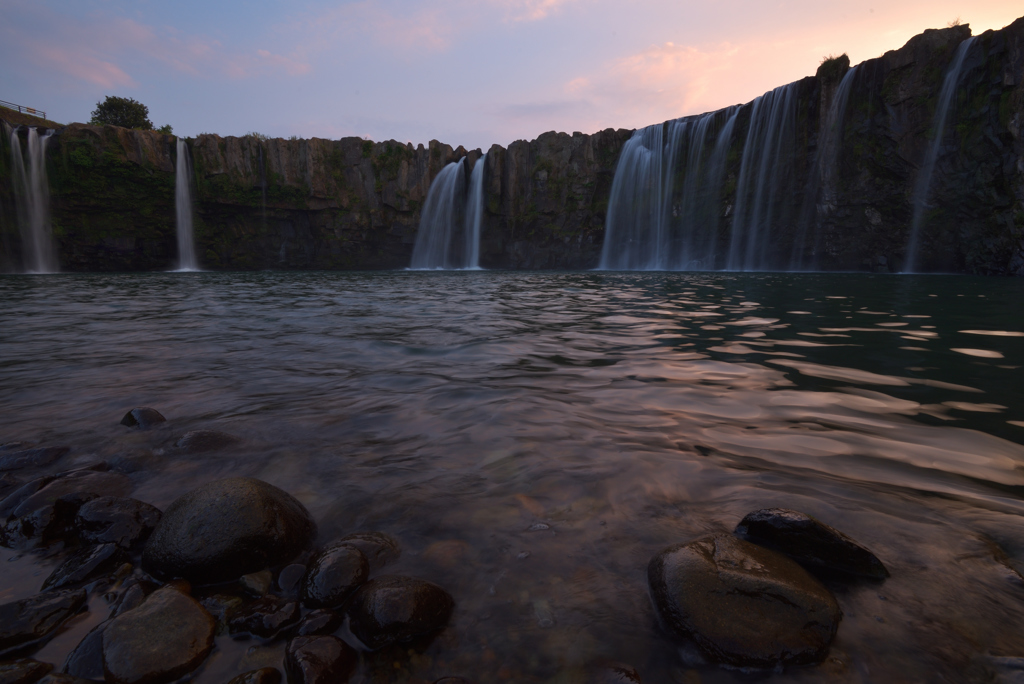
[122, 111]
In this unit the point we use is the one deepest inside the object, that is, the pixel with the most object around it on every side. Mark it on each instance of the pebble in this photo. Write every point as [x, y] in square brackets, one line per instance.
[333, 575]
[319, 660]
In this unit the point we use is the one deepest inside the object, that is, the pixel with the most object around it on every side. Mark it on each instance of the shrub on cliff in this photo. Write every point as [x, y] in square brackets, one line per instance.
[122, 111]
[833, 67]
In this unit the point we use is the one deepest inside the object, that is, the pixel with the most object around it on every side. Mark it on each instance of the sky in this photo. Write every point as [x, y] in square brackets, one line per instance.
[469, 72]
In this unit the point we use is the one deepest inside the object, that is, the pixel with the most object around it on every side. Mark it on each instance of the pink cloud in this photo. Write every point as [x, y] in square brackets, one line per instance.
[82, 67]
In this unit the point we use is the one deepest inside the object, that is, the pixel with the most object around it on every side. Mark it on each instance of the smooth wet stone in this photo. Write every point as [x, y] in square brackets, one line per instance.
[319, 621]
[165, 638]
[133, 593]
[221, 607]
[45, 508]
[226, 529]
[86, 565]
[319, 660]
[379, 548]
[23, 671]
[264, 675]
[86, 660]
[333, 575]
[31, 458]
[32, 620]
[394, 608]
[198, 441]
[289, 580]
[115, 519]
[257, 583]
[810, 542]
[265, 617]
[743, 604]
[143, 417]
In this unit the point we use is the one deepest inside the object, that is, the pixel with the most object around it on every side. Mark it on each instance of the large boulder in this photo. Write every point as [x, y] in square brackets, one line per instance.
[810, 542]
[394, 608]
[165, 638]
[226, 529]
[742, 604]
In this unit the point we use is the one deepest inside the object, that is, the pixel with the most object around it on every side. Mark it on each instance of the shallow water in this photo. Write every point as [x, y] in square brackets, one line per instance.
[533, 439]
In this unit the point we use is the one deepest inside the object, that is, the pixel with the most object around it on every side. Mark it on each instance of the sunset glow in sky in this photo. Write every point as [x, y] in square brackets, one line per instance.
[470, 72]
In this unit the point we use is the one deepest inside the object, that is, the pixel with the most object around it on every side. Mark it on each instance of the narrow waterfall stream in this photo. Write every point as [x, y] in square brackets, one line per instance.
[32, 200]
[183, 209]
[924, 178]
[449, 233]
[475, 214]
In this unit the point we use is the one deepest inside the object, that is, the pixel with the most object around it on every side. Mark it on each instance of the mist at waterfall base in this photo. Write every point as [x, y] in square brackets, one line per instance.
[666, 209]
[183, 208]
[32, 202]
[533, 439]
[449, 232]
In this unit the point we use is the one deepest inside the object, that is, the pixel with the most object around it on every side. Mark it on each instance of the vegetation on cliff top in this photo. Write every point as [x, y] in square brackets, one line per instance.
[125, 112]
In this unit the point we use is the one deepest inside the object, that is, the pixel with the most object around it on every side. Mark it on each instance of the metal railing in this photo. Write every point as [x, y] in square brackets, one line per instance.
[23, 110]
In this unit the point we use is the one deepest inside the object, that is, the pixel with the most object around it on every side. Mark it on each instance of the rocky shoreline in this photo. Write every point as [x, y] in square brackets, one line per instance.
[243, 558]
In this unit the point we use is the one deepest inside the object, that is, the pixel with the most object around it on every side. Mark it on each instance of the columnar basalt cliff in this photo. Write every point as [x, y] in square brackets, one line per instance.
[355, 204]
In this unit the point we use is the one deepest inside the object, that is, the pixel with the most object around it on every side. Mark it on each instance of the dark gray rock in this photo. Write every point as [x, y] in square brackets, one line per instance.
[333, 575]
[265, 675]
[133, 593]
[118, 520]
[13, 446]
[45, 508]
[809, 542]
[143, 417]
[289, 580]
[221, 606]
[379, 548]
[319, 660]
[394, 608]
[198, 441]
[743, 605]
[86, 565]
[61, 678]
[165, 638]
[605, 672]
[265, 617]
[7, 483]
[31, 621]
[23, 671]
[226, 529]
[31, 458]
[86, 660]
[319, 621]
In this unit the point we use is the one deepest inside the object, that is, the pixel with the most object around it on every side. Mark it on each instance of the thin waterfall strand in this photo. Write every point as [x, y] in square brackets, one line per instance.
[924, 176]
[475, 214]
[32, 199]
[442, 218]
[183, 209]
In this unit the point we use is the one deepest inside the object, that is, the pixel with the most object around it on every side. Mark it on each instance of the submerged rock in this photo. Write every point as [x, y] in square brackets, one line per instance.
[379, 548]
[333, 575]
[319, 660]
[319, 621]
[264, 675]
[119, 520]
[86, 565]
[393, 608]
[742, 604]
[23, 671]
[33, 620]
[165, 638]
[809, 542]
[143, 417]
[226, 529]
[265, 617]
[31, 458]
[198, 441]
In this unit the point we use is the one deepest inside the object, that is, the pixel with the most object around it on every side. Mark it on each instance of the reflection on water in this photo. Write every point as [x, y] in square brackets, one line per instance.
[533, 439]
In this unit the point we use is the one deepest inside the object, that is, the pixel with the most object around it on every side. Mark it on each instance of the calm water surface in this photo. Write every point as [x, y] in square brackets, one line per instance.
[533, 439]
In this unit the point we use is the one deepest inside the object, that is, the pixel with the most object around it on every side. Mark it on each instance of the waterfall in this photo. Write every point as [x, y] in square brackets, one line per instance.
[183, 209]
[32, 198]
[475, 214]
[924, 176]
[765, 174]
[449, 232]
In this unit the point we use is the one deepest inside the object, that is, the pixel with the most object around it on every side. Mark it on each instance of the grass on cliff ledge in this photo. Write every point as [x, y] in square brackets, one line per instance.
[16, 118]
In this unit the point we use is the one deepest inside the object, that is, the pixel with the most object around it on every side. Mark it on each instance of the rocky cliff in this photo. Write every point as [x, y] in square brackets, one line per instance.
[354, 204]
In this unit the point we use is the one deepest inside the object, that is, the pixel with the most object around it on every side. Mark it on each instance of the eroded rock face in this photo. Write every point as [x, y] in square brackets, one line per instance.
[33, 620]
[226, 529]
[333, 575]
[809, 542]
[394, 608]
[86, 565]
[143, 417]
[319, 660]
[742, 604]
[165, 638]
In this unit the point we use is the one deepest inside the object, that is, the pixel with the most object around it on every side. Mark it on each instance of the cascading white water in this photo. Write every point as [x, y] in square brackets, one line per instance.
[183, 209]
[764, 173]
[924, 176]
[449, 233]
[475, 214]
[32, 198]
[437, 246]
